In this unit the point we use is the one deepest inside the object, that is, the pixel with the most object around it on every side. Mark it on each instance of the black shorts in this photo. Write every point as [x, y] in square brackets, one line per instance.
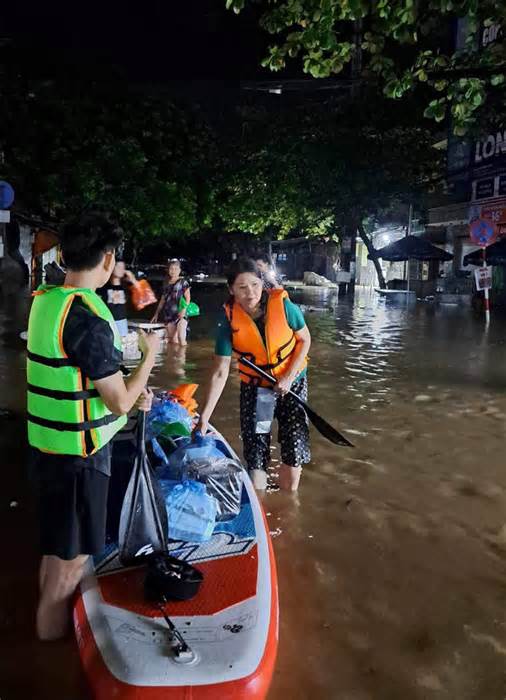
[72, 505]
[293, 429]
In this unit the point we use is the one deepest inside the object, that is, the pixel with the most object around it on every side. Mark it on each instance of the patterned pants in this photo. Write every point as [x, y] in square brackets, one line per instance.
[293, 430]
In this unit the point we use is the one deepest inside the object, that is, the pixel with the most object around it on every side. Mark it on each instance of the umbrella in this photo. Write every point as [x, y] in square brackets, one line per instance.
[412, 248]
[495, 255]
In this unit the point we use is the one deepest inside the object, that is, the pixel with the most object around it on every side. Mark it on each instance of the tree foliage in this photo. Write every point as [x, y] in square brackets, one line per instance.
[261, 178]
[67, 148]
[402, 44]
[319, 168]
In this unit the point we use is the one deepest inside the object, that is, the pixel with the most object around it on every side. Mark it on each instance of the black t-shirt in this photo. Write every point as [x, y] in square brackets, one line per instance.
[89, 342]
[115, 298]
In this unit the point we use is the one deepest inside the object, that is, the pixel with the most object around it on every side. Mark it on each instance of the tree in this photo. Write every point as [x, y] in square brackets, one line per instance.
[68, 147]
[316, 168]
[402, 44]
[259, 179]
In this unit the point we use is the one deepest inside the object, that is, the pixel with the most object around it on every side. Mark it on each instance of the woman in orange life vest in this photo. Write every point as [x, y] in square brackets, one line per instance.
[270, 330]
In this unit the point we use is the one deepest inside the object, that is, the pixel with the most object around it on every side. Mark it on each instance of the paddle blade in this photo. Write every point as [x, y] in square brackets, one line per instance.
[143, 523]
[326, 429]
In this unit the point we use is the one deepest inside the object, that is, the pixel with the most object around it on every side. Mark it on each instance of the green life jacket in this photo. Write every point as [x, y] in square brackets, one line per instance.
[66, 414]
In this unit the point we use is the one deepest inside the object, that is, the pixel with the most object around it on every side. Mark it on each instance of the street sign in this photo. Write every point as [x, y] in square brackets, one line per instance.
[483, 277]
[495, 213]
[6, 195]
[5, 216]
[482, 232]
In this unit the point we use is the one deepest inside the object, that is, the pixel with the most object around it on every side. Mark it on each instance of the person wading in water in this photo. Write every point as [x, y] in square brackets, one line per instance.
[175, 288]
[270, 330]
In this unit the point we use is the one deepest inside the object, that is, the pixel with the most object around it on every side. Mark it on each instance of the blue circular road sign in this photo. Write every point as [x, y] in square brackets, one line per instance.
[6, 195]
[483, 232]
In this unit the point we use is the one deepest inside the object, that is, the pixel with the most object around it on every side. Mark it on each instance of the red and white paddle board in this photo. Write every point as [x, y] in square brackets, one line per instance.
[231, 626]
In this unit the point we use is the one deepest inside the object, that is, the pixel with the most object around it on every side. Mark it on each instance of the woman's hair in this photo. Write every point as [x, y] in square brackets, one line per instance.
[240, 266]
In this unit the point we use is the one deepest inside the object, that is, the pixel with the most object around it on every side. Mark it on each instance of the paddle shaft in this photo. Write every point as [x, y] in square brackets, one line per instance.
[320, 424]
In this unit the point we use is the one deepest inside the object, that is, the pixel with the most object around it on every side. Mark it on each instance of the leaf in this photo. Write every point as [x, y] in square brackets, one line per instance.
[478, 99]
[440, 85]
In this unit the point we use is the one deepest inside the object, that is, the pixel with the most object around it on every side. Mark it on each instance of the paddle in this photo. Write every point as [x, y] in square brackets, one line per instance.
[319, 423]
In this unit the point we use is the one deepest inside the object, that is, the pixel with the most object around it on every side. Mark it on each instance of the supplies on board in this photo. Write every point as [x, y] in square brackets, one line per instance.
[183, 394]
[171, 417]
[190, 509]
[223, 478]
[201, 459]
[168, 418]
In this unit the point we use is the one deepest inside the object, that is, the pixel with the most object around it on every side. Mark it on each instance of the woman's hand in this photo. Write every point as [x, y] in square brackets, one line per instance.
[202, 426]
[283, 384]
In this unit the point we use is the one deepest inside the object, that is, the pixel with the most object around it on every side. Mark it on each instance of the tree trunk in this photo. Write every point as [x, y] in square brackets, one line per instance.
[372, 252]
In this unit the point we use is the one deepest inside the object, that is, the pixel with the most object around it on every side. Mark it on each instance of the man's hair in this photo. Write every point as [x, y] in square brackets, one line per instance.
[264, 257]
[84, 242]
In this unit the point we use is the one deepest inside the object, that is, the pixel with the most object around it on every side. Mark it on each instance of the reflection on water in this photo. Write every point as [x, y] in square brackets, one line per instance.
[392, 557]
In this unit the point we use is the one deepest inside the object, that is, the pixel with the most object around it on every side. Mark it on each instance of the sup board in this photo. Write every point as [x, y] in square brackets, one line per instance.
[231, 626]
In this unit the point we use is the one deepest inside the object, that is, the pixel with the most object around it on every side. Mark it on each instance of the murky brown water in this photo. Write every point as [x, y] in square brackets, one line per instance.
[391, 558]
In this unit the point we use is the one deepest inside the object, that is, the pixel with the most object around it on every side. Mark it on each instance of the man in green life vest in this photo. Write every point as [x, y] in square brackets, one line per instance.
[77, 401]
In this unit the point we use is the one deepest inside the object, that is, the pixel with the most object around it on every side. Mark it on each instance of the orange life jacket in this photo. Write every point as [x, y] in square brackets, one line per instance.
[183, 394]
[273, 355]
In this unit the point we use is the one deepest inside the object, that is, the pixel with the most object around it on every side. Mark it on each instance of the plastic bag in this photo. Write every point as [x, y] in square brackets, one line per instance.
[159, 452]
[223, 478]
[142, 295]
[192, 309]
[265, 405]
[200, 448]
[168, 418]
[143, 519]
[191, 511]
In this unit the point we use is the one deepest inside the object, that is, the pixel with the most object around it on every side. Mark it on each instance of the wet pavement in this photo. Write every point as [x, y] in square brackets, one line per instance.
[392, 556]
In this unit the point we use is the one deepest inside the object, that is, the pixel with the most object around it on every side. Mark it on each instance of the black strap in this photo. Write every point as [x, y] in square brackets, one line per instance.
[73, 427]
[267, 366]
[50, 361]
[254, 380]
[283, 347]
[69, 395]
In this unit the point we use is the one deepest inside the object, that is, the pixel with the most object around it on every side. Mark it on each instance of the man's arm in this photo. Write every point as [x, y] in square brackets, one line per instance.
[120, 395]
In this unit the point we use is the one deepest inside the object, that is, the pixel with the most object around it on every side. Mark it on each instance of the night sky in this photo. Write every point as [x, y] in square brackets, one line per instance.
[154, 40]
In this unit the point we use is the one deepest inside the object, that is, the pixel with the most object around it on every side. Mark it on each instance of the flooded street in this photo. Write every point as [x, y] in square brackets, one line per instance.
[391, 557]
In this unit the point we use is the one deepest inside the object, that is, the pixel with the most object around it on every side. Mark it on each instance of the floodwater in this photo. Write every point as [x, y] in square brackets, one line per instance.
[392, 556]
